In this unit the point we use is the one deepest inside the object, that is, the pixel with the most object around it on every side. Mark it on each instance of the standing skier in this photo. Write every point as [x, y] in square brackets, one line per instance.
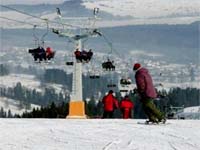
[147, 94]
[110, 104]
[126, 106]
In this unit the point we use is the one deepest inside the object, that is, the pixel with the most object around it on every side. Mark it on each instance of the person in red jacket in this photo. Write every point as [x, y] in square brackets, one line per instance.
[77, 54]
[48, 51]
[147, 94]
[126, 106]
[110, 104]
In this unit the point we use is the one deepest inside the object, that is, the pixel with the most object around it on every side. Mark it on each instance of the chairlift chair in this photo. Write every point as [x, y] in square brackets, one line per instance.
[111, 84]
[70, 63]
[94, 76]
[108, 65]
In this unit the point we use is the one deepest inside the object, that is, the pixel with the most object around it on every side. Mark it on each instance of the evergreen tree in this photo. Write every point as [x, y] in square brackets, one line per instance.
[3, 70]
[9, 114]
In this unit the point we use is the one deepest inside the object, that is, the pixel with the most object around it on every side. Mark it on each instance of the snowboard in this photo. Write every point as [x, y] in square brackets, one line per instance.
[152, 123]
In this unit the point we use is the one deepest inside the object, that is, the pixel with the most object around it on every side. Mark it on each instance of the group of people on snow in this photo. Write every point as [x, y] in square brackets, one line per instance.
[111, 103]
[146, 92]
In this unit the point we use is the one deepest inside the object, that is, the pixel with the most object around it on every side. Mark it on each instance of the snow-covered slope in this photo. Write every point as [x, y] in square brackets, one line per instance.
[190, 113]
[28, 81]
[192, 109]
[147, 8]
[112, 12]
[14, 106]
[148, 11]
[94, 134]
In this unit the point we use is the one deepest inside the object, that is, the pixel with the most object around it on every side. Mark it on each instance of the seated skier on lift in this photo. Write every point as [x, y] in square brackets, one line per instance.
[108, 65]
[125, 81]
[42, 53]
[49, 53]
[38, 53]
[84, 55]
[122, 81]
[89, 55]
[78, 55]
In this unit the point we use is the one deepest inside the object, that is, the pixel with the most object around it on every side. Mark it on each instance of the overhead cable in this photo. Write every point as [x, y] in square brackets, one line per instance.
[43, 19]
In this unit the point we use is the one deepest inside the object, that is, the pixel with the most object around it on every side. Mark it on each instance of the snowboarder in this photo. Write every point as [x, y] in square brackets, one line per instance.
[126, 106]
[110, 104]
[147, 94]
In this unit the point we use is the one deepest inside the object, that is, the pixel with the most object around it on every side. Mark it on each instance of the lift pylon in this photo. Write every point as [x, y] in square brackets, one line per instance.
[76, 104]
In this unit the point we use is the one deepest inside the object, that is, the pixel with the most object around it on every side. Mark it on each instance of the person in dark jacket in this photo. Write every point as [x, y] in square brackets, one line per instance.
[126, 106]
[89, 55]
[147, 94]
[110, 104]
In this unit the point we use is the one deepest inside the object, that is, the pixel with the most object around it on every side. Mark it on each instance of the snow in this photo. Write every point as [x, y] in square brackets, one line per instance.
[190, 113]
[97, 134]
[130, 12]
[192, 109]
[28, 81]
[147, 11]
[146, 8]
[14, 106]
[143, 53]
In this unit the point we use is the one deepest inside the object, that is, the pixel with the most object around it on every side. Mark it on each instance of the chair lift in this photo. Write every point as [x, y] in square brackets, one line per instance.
[108, 65]
[49, 53]
[70, 63]
[125, 80]
[94, 74]
[111, 84]
[39, 53]
[125, 83]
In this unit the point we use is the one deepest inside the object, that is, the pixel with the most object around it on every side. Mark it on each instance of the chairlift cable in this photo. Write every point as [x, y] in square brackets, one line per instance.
[34, 35]
[25, 13]
[23, 22]
[110, 45]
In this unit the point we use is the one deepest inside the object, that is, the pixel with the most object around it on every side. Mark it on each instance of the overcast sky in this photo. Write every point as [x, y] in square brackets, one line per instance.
[5, 2]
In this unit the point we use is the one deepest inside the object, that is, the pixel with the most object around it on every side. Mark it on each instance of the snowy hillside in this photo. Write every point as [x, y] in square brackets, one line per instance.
[14, 106]
[28, 81]
[192, 109]
[149, 11]
[190, 113]
[147, 8]
[112, 12]
[95, 134]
